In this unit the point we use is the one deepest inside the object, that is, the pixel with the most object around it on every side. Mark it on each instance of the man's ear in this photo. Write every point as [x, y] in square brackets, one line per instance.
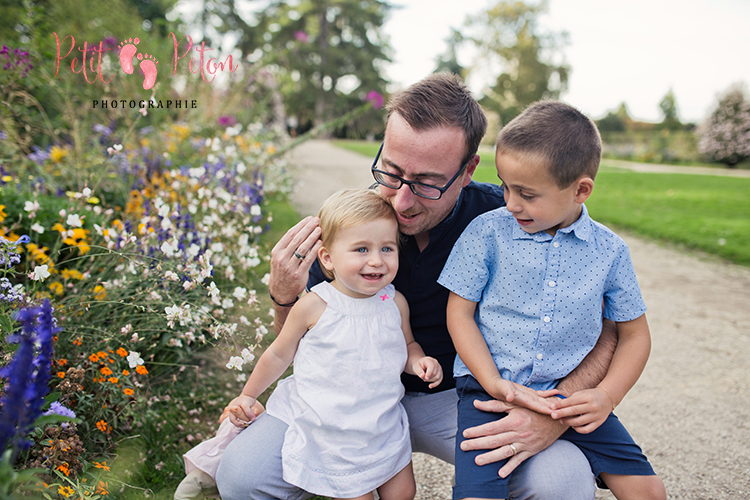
[325, 259]
[471, 167]
[584, 188]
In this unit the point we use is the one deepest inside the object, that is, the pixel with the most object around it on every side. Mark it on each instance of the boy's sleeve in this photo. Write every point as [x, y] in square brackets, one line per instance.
[622, 295]
[466, 271]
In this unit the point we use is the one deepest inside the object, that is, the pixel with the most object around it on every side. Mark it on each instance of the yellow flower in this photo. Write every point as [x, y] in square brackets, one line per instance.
[6, 178]
[56, 288]
[72, 274]
[99, 292]
[57, 153]
[66, 491]
[3, 215]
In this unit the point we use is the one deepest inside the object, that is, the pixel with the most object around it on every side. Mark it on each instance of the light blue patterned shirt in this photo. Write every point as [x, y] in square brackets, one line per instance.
[540, 297]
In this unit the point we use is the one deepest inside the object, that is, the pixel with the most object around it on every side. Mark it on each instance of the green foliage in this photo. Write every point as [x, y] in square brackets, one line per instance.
[668, 106]
[326, 55]
[508, 34]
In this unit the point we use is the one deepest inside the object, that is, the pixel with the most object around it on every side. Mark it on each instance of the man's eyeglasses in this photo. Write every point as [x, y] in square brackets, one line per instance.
[422, 190]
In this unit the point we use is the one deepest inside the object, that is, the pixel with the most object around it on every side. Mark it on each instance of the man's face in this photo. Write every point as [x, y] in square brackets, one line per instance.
[431, 157]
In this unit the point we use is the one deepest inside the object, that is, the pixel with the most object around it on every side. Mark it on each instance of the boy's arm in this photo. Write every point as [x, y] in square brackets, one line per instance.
[472, 348]
[424, 367]
[277, 358]
[586, 410]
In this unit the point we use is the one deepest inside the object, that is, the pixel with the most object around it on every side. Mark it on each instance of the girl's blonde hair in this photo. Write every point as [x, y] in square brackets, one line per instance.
[348, 208]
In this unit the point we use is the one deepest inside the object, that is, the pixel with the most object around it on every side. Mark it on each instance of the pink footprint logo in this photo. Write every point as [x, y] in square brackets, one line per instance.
[127, 50]
[148, 66]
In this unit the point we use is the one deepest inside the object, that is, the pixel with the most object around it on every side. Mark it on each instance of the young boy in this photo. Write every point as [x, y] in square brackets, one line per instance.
[528, 283]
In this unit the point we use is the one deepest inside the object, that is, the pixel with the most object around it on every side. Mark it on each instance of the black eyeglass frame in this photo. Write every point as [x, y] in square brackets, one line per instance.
[411, 184]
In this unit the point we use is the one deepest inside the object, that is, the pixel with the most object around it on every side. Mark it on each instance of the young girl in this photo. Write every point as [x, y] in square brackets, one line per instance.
[350, 341]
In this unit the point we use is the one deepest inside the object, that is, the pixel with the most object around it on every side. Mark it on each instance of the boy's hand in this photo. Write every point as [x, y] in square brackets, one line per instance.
[429, 370]
[519, 395]
[584, 411]
[241, 412]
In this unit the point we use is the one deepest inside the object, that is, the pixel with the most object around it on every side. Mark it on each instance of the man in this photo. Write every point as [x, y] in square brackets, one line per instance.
[424, 170]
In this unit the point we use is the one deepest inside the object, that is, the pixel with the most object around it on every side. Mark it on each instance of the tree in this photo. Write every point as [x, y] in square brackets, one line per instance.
[668, 106]
[725, 135]
[327, 54]
[509, 33]
[448, 61]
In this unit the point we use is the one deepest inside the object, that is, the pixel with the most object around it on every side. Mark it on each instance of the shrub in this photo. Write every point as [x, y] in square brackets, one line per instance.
[725, 135]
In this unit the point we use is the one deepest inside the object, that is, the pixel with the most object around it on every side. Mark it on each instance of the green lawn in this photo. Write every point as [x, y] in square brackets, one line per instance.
[707, 213]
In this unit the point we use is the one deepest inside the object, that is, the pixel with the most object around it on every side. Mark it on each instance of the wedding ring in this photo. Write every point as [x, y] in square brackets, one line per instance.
[512, 447]
[297, 254]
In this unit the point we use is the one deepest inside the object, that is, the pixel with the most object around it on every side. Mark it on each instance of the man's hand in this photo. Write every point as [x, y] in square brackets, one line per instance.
[529, 433]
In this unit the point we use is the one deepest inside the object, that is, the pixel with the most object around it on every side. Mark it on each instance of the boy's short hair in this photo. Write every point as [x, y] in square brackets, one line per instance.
[441, 100]
[558, 134]
[351, 207]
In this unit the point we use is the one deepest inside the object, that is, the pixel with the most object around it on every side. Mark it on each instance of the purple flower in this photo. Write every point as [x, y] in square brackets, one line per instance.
[375, 98]
[109, 43]
[28, 376]
[301, 36]
[39, 156]
[227, 121]
[17, 60]
[57, 409]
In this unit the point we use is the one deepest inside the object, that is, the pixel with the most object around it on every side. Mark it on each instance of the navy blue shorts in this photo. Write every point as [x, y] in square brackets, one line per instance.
[608, 449]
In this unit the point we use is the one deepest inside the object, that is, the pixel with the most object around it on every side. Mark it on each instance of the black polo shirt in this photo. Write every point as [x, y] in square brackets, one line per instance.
[417, 280]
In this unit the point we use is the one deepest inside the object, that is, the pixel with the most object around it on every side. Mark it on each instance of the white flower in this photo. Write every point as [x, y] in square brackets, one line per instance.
[171, 276]
[227, 303]
[167, 249]
[126, 329]
[86, 192]
[255, 210]
[31, 206]
[266, 279]
[74, 220]
[37, 228]
[213, 290]
[40, 273]
[134, 359]
[247, 355]
[235, 362]
[239, 293]
[244, 320]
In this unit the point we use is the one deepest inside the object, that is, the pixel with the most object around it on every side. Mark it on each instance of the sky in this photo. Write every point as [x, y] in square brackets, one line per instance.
[630, 51]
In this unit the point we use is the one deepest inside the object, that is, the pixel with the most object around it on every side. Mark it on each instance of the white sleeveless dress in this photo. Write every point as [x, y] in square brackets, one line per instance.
[348, 432]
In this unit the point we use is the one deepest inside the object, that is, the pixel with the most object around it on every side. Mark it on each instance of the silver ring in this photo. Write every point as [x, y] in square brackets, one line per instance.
[512, 447]
[297, 254]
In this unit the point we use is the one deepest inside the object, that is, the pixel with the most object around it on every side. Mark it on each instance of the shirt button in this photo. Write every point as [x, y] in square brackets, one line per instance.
[547, 319]
[555, 244]
[539, 356]
[552, 283]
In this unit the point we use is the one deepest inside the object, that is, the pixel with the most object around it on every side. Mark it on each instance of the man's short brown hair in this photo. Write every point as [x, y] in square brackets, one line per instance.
[559, 135]
[441, 100]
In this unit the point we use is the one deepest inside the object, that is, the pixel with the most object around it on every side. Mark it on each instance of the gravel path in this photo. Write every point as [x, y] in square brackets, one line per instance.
[690, 410]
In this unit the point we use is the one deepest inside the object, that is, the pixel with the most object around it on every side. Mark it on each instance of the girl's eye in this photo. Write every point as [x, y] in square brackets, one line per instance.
[361, 250]
[387, 249]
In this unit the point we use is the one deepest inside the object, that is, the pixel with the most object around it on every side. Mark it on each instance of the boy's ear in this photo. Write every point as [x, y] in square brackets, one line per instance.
[325, 259]
[584, 188]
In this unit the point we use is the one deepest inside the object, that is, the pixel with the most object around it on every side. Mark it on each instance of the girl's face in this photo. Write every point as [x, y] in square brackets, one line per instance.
[363, 258]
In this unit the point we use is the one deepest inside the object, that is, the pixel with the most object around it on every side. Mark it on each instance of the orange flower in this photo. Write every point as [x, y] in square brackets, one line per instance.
[125, 372]
[113, 380]
[64, 469]
[61, 374]
[141, 369]
[101, 487]
[103, 426]
[128, 391]
[102, 354]
[122, 352]
[62, 362]
[102, 465]
[94, 358]
[106, 372]
[78, 341]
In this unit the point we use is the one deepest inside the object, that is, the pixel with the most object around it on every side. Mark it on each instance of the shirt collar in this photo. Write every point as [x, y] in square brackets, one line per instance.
[581, 229]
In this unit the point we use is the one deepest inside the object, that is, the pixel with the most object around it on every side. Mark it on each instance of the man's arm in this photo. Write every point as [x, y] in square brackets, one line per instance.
[289, 273]
[531, 432]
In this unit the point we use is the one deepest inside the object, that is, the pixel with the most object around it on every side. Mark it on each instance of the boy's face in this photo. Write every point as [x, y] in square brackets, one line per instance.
[533, 197]
[363, 258]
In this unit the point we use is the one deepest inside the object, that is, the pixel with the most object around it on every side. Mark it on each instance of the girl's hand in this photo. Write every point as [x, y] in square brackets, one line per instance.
[584, 411]
[240, 410]
[519, 395]
[429, 370]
